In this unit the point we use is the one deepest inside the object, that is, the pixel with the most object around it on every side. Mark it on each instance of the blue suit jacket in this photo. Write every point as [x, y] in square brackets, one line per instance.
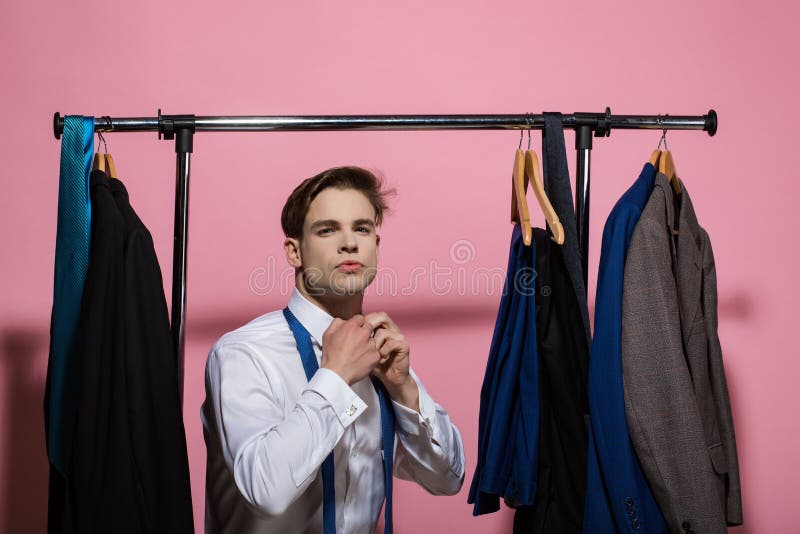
[508, 427]
[618, 498]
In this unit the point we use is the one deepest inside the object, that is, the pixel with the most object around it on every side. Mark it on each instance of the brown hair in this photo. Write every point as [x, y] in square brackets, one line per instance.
[296, 207]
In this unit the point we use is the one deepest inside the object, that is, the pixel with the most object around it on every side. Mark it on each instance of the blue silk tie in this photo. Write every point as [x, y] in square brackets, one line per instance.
[71, 263]
[303, 340]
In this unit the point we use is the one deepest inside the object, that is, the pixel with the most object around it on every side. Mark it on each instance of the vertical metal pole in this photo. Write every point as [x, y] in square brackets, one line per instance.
[183, 151]
[583, 145]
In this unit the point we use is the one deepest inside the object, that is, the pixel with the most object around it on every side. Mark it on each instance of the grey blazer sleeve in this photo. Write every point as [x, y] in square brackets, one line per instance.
[665, 382]
[728, 461]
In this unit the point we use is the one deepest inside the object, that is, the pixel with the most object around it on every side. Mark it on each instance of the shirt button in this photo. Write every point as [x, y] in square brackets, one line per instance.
[351, 410]
[354, 453]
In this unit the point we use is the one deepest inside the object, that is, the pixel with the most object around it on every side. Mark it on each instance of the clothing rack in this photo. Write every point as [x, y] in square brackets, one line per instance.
[182, 128]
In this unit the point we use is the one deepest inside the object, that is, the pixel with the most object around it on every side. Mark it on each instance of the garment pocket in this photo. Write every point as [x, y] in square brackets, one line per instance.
[719, 459]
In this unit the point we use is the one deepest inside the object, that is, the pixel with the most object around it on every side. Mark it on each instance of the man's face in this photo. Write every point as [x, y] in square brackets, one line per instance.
[339, 249]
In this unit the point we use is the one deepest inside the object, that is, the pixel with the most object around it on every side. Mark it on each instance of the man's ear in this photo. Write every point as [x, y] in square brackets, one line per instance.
[377, 246]
[292, 248]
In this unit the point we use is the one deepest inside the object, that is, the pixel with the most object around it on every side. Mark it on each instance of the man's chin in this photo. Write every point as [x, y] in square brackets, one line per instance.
[341, 286]
[349, 284]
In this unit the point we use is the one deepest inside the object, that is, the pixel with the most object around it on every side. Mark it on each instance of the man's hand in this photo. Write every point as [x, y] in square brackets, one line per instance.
[348, 350]
[393, 367]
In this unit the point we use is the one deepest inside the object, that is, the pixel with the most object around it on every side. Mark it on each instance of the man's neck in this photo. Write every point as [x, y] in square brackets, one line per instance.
[341, 306]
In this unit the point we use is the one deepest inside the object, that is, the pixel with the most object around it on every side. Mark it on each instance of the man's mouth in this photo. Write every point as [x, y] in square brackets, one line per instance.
[349, 266]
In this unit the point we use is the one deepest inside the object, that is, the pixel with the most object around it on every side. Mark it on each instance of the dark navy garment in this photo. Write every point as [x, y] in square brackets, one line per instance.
[563, 405]
[618, 498]
[508, 427]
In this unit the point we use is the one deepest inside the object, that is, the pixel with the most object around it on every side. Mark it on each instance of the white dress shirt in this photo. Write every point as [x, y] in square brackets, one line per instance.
[268, 429]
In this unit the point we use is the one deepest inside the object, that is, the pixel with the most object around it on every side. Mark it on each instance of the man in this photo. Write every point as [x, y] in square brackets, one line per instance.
[270, 423]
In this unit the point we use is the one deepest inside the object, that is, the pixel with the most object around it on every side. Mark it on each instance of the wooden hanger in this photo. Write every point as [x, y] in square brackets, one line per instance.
[666, 166]
[99, 163]
[112, 169]
[519, 203]
[103, 159]
[654, 158]
[533, 176]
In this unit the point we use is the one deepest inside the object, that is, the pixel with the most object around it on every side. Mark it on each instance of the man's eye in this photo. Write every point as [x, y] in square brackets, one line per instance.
[364, 229]
[325, 231]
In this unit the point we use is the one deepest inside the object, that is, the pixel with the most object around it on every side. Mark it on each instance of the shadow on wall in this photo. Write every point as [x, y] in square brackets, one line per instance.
[737, 306]
[422, 314]
[24, 488]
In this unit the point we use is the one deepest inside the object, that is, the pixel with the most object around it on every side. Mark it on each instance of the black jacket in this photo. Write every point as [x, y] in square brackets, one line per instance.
[155, 418]
[129, 469]
[563, 404]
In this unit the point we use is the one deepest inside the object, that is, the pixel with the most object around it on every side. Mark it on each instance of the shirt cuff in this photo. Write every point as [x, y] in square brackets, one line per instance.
[412, 423]
[344, 401]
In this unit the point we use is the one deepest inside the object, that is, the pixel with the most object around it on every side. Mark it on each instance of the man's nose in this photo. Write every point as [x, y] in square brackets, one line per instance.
[349, 242]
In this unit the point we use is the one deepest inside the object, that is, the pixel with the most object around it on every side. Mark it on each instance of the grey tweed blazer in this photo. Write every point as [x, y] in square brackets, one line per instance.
[676, 395]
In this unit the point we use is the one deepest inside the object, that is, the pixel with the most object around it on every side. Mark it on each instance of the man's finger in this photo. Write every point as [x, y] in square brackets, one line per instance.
[358, 319]
[381, 319]
[383, 335]
[380, 336]
[389, 347]
[372, 320]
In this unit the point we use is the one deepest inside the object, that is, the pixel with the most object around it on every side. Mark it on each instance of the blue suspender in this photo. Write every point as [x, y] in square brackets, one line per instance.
[310, 365]
[387, 437]
[309, 359]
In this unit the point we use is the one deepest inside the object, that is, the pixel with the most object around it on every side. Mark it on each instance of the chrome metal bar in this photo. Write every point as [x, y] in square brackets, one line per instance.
[246, 123]
[583, 147]
[181, 230]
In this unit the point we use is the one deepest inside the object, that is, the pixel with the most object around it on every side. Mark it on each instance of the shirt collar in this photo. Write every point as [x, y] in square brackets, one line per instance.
[312, 317]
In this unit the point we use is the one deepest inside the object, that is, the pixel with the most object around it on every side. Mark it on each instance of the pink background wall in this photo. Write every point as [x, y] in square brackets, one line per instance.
[364, 57]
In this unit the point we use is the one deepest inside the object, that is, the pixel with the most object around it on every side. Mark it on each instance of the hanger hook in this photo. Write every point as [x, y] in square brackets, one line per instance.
[529, 120]
[101, 139]
[663, 133]
[100, 131]
[521, 133]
